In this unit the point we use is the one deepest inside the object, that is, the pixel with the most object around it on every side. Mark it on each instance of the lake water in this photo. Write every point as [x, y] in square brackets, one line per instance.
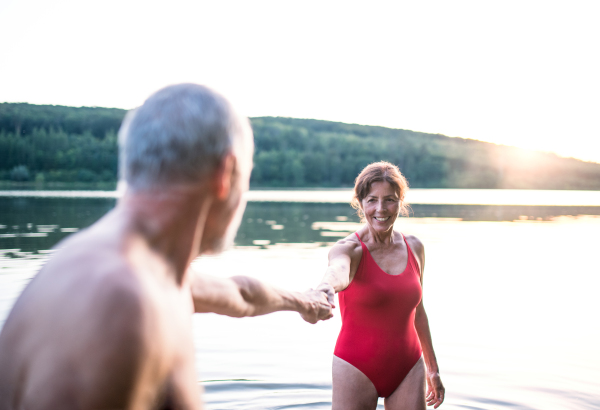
[511, 291]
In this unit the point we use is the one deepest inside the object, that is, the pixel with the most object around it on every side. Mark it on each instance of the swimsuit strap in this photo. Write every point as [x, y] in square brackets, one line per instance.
[411, 256]
[362, 258]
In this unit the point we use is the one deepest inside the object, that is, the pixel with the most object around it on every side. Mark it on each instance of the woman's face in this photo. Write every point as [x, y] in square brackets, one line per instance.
[381, 206]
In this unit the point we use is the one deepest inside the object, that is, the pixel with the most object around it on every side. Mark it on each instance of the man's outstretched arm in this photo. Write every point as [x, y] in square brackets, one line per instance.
[241, 296]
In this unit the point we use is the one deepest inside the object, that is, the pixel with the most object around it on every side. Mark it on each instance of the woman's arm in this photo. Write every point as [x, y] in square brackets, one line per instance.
[241, 296]
[435, 388]
[340, 271]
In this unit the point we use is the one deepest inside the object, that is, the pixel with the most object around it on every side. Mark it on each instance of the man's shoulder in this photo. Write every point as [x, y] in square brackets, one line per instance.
[91, 254]
[95, 275]
[91, 245]
[98, 281]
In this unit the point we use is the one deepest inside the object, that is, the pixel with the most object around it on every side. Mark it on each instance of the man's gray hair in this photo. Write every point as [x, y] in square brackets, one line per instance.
[179, 135]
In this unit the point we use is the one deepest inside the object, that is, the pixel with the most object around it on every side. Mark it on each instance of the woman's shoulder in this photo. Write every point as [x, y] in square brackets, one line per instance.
[413, 242]
[350, 245]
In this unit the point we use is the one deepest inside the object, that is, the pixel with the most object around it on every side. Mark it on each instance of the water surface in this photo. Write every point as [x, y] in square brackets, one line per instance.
[414, 196]
[511, 292]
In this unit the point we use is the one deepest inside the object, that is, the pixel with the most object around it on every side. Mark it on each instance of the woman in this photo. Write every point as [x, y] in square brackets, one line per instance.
[385, 332]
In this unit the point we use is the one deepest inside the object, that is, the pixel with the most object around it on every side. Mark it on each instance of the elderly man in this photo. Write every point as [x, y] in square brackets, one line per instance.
[106, 323]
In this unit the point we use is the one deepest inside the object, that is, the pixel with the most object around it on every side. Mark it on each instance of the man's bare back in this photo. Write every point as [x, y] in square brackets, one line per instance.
[105, 321]
[106, 324]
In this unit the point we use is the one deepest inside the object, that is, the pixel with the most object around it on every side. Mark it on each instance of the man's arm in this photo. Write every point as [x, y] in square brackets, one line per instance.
[241, 296]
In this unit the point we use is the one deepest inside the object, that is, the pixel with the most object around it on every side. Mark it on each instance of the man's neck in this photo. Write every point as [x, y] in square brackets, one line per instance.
[171, 221]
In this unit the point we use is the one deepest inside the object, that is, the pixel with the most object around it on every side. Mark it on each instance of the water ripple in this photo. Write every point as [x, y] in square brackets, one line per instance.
[254, 395]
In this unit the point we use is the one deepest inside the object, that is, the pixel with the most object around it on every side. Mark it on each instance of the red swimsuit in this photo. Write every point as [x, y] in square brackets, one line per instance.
[378, 334]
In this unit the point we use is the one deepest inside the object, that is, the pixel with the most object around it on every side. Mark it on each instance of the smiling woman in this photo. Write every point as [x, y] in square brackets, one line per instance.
[378, 172]
[385, 341]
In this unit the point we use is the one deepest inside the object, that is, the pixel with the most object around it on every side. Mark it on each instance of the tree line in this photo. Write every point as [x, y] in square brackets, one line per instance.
[66, 144]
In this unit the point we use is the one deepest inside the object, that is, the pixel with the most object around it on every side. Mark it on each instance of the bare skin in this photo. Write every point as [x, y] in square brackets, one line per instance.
[243, 296]
[106, 324]
[351, 388]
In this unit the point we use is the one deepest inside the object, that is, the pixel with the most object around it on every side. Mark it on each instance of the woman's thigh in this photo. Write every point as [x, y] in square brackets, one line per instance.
[352, 390]
[410, 395]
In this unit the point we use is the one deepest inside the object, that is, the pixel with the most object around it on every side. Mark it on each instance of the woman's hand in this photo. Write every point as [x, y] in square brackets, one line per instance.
[435, 390]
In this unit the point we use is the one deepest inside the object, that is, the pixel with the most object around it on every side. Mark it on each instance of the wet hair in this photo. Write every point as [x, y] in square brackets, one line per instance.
[378, 172]
[179, 135]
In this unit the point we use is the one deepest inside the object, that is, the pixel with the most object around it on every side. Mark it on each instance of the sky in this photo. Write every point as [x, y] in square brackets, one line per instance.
[521, 73]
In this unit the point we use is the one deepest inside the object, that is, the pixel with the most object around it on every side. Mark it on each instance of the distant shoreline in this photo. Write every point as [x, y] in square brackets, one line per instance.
[416, 196]
[112, 186]
[54, 145]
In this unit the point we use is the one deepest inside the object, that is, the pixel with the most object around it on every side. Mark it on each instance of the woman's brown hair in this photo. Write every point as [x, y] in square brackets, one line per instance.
[378, 172]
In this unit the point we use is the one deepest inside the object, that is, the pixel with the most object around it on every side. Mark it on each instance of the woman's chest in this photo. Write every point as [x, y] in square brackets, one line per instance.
[376, 290]
[392, 261]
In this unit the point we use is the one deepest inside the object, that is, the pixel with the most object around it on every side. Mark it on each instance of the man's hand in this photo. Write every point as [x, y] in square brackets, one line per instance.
[317, 306]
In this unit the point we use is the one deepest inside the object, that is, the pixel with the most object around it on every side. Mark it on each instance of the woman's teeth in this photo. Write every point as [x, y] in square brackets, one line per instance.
[382, 219]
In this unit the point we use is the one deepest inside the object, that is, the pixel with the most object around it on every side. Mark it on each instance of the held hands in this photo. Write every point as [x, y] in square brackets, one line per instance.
[318, 304]
[435, 390]
[328, 290]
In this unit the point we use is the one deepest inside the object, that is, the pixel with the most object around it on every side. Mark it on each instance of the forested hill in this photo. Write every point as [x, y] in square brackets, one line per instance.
[54, 143]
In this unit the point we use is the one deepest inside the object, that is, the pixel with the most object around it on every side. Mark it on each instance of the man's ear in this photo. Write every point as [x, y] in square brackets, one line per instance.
[224, 176]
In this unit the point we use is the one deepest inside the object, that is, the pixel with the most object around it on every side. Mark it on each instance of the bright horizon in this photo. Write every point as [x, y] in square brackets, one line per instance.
[512, 73]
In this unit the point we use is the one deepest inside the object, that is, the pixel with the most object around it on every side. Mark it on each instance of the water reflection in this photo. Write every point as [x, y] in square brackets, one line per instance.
[36, 224]
[29, 224]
